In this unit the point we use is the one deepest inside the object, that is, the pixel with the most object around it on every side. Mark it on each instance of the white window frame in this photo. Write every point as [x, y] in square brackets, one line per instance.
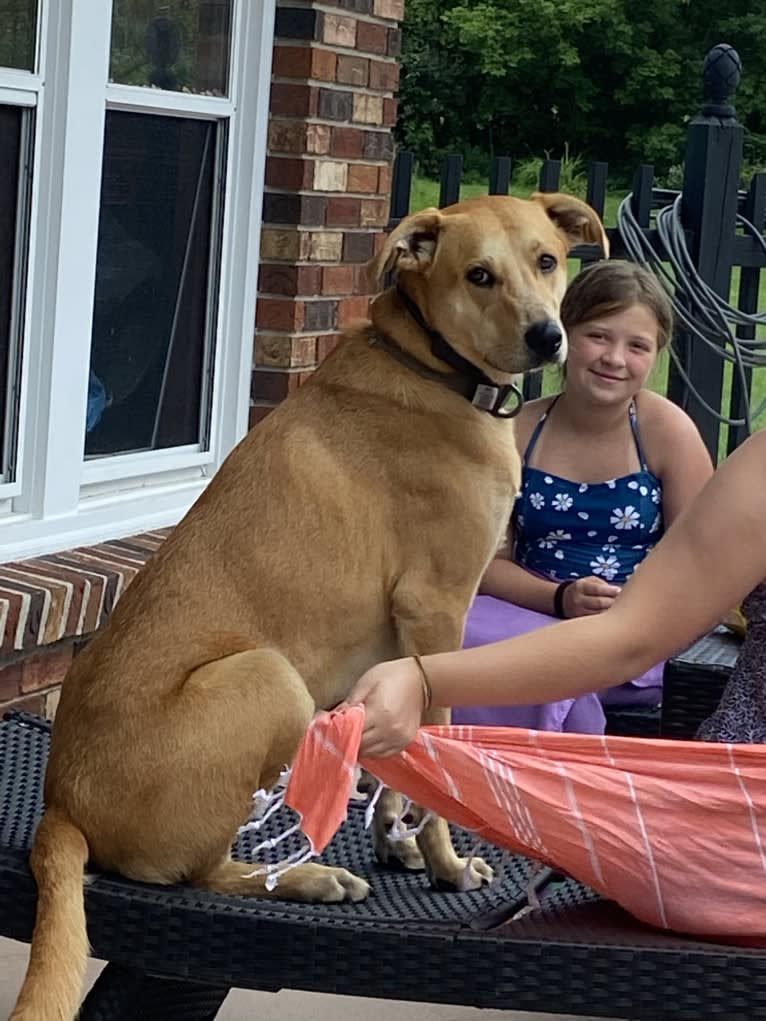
[58, 499]
[20, 89]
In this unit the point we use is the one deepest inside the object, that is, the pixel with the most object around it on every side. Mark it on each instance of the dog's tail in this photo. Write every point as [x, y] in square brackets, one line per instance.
[53, 983]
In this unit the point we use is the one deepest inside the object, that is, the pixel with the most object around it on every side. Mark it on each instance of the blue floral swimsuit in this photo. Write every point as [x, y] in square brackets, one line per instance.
[565, 529]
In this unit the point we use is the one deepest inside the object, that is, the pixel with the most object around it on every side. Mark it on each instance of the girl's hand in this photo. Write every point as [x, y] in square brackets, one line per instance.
[589, 595]
[392, 695]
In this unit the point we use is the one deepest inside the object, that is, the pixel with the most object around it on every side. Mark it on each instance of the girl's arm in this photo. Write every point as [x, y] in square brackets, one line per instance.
[507, 580]
[674, 443]
[709, 560]
[514, 583]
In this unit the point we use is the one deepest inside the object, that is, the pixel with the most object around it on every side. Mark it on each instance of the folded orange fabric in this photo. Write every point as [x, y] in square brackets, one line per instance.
[674, 831]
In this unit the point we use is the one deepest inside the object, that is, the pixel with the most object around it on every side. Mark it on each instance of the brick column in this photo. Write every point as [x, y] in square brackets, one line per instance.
[328, 181]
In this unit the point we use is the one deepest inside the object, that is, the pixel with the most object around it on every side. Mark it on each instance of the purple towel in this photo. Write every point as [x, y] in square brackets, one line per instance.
[492, 620]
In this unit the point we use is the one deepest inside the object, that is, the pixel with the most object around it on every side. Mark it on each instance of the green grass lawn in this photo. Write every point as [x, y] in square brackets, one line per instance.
[425, 192]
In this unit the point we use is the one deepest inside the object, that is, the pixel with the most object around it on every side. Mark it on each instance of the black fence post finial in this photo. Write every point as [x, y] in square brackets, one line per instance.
[721, 74]
[709, 215]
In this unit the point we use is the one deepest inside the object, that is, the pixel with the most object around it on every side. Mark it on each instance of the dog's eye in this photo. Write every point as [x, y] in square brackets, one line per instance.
[547, 263]
[480, 276]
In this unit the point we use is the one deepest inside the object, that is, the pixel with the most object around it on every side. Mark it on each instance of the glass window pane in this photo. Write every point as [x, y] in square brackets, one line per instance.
[182, 45]
[14, 208]
[18, 33]
[156, 278]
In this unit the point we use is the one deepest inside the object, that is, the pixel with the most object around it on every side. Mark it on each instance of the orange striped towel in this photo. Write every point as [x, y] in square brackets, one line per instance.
[674, 831]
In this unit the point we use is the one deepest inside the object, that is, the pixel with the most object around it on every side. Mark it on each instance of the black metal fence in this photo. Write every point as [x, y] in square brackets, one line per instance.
[711, 200]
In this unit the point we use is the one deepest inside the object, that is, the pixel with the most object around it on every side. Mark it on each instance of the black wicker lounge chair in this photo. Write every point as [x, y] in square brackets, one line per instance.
[174, 953]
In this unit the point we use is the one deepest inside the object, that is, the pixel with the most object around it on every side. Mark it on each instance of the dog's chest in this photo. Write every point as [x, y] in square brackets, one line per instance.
[497, 471]
[497, 501]
[479, 494]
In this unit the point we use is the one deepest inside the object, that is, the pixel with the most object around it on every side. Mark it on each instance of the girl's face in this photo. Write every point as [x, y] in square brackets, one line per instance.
[610, 357]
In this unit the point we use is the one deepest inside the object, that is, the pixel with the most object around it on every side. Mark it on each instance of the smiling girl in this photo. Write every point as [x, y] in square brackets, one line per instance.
[607, 466]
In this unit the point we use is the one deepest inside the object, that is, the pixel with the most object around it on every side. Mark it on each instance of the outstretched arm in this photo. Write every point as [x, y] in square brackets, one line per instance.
[709, 560]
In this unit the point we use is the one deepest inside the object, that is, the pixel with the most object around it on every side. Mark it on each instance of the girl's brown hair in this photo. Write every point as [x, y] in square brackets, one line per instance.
[611, 286]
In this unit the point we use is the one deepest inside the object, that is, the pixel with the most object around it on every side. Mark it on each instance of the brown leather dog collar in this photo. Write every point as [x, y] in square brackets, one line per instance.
[500, 400]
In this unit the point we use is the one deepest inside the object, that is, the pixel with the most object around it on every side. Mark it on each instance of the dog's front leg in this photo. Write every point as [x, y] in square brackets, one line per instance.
[424, 629]
[390, 850]
[446, 869]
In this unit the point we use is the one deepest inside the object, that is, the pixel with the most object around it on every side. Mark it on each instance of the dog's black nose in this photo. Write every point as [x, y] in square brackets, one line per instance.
[544, 338]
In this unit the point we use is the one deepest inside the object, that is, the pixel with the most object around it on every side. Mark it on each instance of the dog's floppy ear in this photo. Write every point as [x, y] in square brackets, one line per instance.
[410, 246]
[575, 218]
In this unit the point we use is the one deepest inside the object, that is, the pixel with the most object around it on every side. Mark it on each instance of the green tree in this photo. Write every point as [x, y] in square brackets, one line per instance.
[612, 79]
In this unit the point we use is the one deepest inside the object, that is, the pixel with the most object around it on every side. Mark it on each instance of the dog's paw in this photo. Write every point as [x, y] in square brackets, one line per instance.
[398, 854]
[341, 885]
[465, 874]
[323, 884]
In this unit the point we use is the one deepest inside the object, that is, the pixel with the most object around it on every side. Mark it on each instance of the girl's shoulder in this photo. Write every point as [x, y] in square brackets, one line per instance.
[666, 430]
[527, 419]
[658, 414]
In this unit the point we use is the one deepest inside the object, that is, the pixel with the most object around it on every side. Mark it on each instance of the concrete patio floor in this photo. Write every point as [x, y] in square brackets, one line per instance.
[288, 1005]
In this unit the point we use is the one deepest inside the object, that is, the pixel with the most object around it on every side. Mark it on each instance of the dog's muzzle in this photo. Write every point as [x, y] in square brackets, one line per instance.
[544, 339]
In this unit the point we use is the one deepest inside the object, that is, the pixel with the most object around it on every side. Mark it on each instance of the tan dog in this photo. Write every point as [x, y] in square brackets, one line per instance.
[349, 527]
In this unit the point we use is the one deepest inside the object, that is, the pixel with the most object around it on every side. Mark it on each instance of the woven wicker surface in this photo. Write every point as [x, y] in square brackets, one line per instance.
[642, 721]
[694, 682]
[577, 955]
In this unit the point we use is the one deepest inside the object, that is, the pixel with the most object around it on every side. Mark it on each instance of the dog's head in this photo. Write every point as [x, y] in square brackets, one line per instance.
[490, 273]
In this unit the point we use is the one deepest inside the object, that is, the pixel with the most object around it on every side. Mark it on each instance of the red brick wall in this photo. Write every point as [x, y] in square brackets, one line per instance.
[328, 181]
[51, 606]
[32, 683]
